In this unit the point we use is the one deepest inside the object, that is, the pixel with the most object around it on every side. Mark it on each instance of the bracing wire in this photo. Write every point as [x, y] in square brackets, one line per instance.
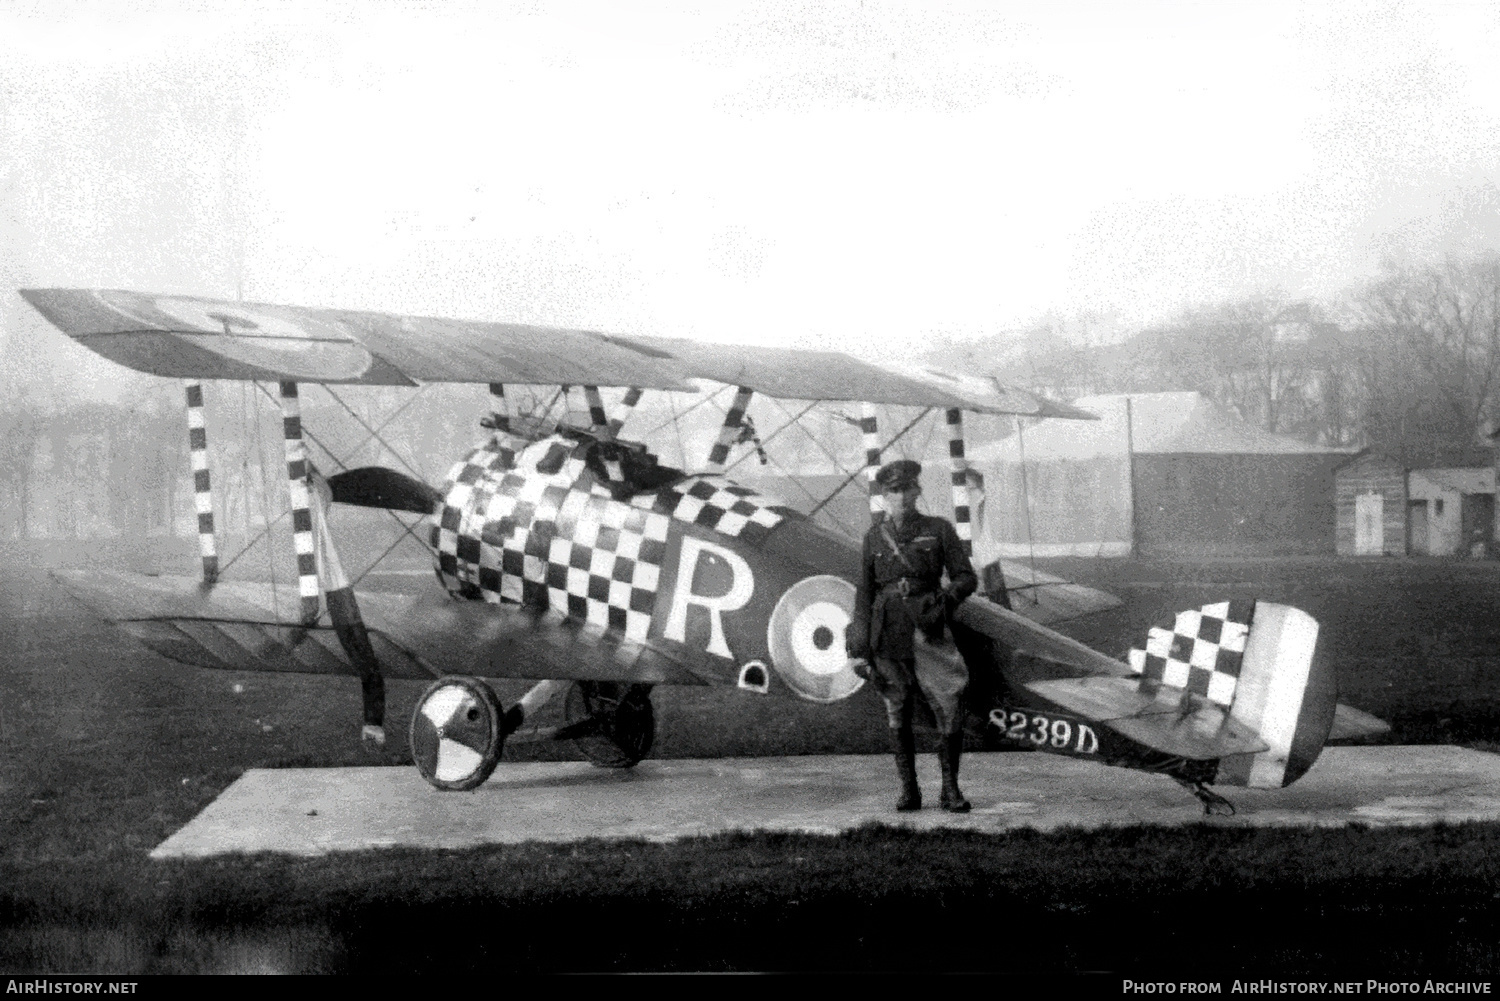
[244, 465]
[265, 508]
[837, 464]
[676, 429]
[677, 417]
[772, 436]
[860, 472]
[374, 433]
[1026, 497]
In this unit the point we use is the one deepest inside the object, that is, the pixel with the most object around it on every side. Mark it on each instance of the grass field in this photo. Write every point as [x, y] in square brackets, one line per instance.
[106, 749]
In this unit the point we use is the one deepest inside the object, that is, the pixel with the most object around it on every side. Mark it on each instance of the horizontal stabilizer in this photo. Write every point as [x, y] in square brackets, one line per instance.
[1349, 723]
[376, 486]
[1023, 635]
[1170, 720]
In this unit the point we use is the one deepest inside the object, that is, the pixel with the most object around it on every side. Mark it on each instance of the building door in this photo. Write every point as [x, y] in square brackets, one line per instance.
[1478, 519]
[1416, 528]
[1369, 524]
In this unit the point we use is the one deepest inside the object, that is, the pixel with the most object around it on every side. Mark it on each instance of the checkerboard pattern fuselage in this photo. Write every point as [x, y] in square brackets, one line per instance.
[1200, 652]
[530, 523]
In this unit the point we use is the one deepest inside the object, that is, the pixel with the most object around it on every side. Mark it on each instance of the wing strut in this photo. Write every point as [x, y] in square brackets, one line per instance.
[343, 609]
[597, 416]
[302, 526]
[632, 397]
[203, 497]
[729, 432]
[962, 521]
[871, 430]
[500, 416]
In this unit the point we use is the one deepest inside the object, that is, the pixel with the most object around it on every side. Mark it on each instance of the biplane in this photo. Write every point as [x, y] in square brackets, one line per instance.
[569, 555]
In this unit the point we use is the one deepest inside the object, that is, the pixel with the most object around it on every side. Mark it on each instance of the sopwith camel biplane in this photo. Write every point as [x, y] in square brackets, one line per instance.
[571, 556]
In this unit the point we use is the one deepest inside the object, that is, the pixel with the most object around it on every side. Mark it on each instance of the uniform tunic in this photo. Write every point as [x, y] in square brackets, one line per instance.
[901, 594]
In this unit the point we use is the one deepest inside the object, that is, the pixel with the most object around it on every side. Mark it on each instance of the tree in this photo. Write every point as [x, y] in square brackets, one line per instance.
[1265, 356]
[19, 430]
[1431, 352]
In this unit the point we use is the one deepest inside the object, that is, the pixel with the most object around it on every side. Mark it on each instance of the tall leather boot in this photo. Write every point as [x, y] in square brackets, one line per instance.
[950, 750]
[904, 745]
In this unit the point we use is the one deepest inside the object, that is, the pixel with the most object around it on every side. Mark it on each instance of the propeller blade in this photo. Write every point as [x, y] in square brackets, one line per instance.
[376, 486]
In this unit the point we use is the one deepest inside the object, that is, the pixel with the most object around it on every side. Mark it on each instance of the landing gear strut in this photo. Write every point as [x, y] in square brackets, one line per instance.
[459, 727]
[612, 724]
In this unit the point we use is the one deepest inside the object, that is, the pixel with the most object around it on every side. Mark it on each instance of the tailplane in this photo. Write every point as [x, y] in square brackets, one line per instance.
[1259, 661]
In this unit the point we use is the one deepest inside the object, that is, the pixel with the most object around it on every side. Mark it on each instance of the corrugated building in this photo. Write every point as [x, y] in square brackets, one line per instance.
[1161, 474]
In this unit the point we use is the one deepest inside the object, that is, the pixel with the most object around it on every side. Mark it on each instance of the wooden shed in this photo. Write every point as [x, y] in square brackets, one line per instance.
[1370, 502]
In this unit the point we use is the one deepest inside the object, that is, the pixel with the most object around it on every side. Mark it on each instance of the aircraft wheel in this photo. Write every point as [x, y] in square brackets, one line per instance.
[626, 721]
[457, 733]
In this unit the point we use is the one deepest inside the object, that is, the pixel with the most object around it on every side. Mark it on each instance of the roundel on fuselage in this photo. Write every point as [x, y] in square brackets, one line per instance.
[806, 638]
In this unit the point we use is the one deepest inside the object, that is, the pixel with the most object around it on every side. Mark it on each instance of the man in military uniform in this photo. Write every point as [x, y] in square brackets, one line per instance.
[901, 610]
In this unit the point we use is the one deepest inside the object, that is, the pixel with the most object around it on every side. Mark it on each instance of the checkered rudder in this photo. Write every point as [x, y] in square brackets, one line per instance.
[1200, 652]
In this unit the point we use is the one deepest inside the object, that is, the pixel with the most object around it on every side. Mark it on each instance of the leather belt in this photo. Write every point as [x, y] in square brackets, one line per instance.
[908, 586]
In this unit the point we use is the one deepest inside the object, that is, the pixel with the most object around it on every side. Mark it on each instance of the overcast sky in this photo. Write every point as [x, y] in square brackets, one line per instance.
[839, 175]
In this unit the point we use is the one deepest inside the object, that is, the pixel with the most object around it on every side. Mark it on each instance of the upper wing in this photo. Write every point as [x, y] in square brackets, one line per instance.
[828, 375]
[192, 338]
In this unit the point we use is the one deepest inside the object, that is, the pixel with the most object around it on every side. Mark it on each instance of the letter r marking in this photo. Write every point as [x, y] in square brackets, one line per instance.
[741, 587]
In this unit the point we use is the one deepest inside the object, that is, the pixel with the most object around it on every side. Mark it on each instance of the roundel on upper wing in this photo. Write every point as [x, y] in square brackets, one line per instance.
[303, 346]
[806, 639]
[236, 320]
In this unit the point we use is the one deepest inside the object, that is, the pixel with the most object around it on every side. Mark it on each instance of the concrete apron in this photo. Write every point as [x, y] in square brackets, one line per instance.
[312, 811]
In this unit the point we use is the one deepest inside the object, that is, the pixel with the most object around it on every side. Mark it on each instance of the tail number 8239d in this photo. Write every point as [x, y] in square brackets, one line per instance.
[1045, 733]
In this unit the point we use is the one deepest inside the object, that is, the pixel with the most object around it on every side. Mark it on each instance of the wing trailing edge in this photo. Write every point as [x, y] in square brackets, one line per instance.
[1023, 635]
[233, 625]
[1045, 599]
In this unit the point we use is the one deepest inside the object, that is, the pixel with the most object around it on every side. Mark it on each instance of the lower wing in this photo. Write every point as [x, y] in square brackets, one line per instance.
[244, 626]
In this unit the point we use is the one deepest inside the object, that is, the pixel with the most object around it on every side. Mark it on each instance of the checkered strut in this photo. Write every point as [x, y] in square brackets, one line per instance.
[1201, 652]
